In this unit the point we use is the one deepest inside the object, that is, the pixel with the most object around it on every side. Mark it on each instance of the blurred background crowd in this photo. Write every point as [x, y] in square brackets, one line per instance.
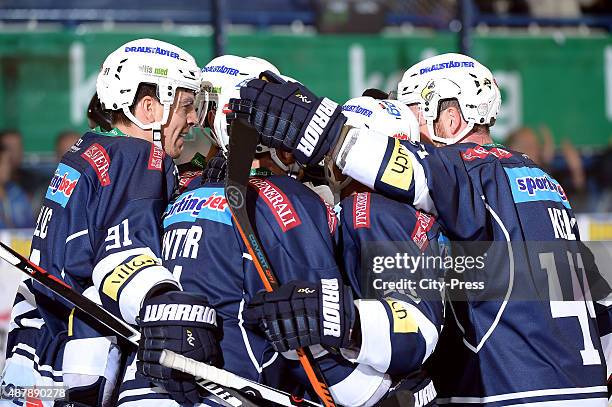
[552, 60]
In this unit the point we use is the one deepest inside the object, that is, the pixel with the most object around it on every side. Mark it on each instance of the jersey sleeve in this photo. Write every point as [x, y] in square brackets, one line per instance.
[399, 329]
[296, 230]
[127, 243]
[431, 179]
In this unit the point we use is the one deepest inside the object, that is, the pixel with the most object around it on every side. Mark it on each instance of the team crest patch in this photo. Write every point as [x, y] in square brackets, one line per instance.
[156, 158]
[98, 158]
[277, 201]
[361, 210]
[62, 185]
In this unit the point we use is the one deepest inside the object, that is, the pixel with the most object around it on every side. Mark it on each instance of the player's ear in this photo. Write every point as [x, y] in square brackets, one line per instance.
[454, 119]
[148, 107]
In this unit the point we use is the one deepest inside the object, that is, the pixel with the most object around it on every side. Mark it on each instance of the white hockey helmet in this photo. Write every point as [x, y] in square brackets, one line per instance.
[221, 80]
[150, 61]
[386, 117]
[451, 76]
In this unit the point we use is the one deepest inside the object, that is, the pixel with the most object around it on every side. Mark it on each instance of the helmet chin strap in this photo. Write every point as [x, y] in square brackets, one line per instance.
[444, 140]
[155, 126]
[291, 169]
[335, 185]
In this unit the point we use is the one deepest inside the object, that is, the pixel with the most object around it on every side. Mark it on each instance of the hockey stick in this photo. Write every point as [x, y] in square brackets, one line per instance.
[225, 378]
[125, 333]
[243, 142]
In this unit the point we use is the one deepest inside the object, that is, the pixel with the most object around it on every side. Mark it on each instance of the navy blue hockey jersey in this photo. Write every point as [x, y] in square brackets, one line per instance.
[401, 302]
[202, 247]
[512, 340]
[100, 225]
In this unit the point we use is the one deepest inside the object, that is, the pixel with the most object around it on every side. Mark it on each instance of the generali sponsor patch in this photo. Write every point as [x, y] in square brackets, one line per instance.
[424, 222]
[277, 201]
[361, 210]
[156, 158]
[98, 158]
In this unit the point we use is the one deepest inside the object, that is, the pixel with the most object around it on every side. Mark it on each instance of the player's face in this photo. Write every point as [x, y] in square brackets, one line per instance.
[182, 117]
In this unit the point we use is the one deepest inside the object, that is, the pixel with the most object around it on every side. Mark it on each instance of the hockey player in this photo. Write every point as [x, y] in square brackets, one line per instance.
[202, 246]
[397, 329]
[99, 231]
[516, 340]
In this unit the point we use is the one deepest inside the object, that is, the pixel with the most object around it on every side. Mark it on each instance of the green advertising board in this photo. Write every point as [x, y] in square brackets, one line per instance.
[563, 82]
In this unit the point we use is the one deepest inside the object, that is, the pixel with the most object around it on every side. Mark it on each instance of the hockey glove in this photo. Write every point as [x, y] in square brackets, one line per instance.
[290, 117]
[300, 314]
[186, 324]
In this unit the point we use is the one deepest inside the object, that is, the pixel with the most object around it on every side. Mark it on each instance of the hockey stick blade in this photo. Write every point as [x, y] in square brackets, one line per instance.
[243, 143]
[225, 378]
[107, 322]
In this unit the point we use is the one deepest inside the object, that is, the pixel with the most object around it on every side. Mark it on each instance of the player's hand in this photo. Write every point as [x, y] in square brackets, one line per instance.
[300, 314]
[186, 324]
[289, 116]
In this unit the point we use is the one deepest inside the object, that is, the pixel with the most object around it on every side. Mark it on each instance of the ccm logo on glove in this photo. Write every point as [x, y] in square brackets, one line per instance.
[315, 127]
[180, 312]
[331, 307]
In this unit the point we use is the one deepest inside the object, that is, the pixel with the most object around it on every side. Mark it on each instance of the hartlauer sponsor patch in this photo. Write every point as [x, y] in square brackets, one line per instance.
[480, 152]
[156, 158]
[98, 158]
[277, 201]
[361, 210]
[424, 223]
[398, 172]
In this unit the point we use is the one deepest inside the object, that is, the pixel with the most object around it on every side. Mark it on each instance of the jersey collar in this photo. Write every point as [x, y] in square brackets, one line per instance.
[114, 132]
